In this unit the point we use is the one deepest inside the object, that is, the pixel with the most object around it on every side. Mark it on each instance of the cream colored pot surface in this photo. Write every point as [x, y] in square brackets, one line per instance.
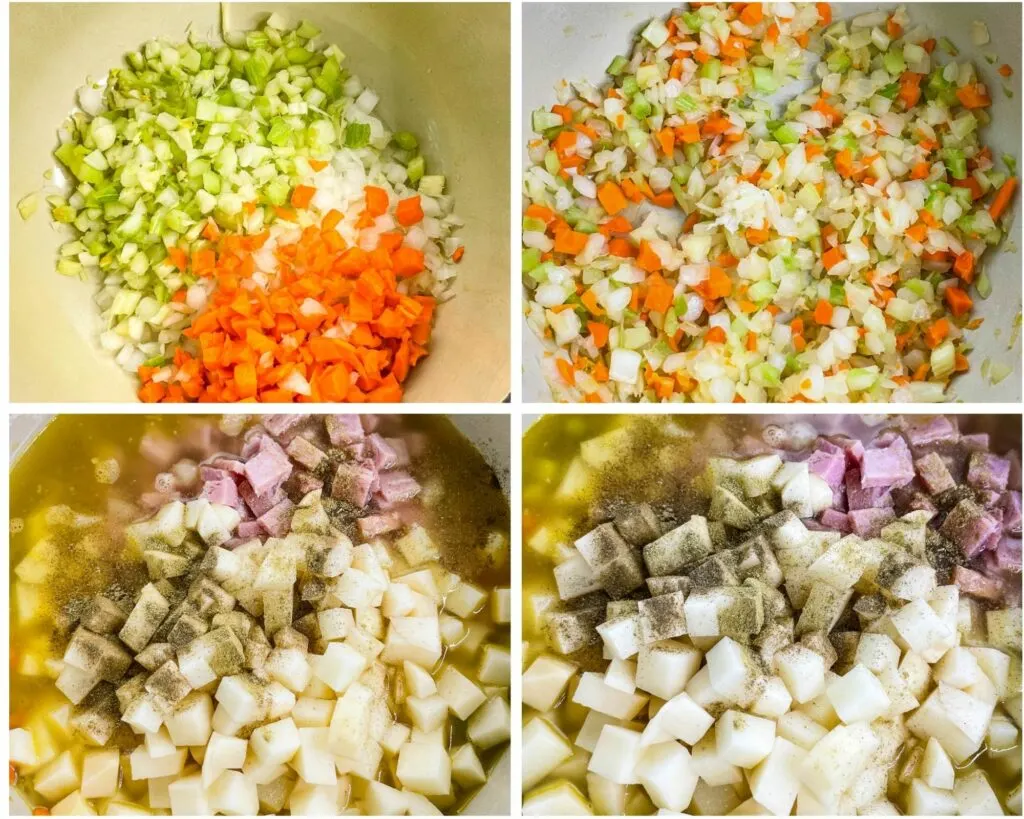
[442, 71]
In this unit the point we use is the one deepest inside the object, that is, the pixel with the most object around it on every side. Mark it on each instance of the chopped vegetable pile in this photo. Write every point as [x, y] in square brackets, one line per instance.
[684, 240]
[256, 232]
[783, 623]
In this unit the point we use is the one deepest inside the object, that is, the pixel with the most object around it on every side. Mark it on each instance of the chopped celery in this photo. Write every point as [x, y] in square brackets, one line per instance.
[684, 103]
[956, 162]
[543, 120]
[357, 135]
[948, 46]
[692, 20]
[406, 141]
[432, 185]
[617, 66]
[711, 70]
[890, 91]
[640, 107]
[838, 62]
[786, 135]
[531, 258]
[416, 168]
[28, 205]
[764, 80]
[894, 62]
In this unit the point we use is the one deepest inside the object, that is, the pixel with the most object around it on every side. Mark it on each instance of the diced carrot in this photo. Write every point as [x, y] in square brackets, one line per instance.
[803, 39]
[600, 372]
[1002, 198]
[799, 343]
[565, 142]
[648, 260]
[622, 248]
[566, 370]
[772, 34]
[659, 294]
[757, 236]
[631, 191]
[893, 29]
[733, 48]
[564, 111]
[546, 215]
[407, 261]
[376, 200]
[689, 133]
[598, 332]
[929, 45]
[751, 341]
[832, 257]
[936, 333]
[701, 56]
[961, 365]
[666, 141]
[843, 162]
[917, 232]
[178, 257]
[959, 302]
[964, 266]
[752, 14]
[910, 88]
[1005, 70]
[716, 125]
[973, 96]
[665, 199]
[824, 13]
[302, 196]
[920, 171]
[589, 299]
[715, 335]
[317, 164]
[570, 242]
[823, 312]
[409, 211]
[611, 198]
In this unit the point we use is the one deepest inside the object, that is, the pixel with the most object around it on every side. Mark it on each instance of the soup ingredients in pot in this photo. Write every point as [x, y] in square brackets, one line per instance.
[785, 622]
[687, 237]
[242, 208]
[273, 628]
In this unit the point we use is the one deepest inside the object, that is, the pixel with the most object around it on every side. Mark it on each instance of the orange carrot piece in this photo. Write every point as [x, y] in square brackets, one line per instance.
[959, 302]
[824, 13]
[823, 312]
[611, 198]
[1002, 198]
[566, 370]
[598, 332]
[376, 200]
[973, 96]
[964, 267]
[302, 196]
[409, 211]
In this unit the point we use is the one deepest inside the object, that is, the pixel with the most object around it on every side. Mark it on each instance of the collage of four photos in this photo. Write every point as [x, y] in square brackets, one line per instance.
[439, 587]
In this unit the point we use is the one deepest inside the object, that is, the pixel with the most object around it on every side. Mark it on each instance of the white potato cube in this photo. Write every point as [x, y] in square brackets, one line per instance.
[545, 680]
[417, 639]
[858, 696]
[467, 770]
[74, 804]
[664, 668]
[191, 721]
[313, 800]
[234, 794]
[427, 713]
[775, 782]
[350, 722]
[711, 766]
[837, 760]
[58, 778]
[744, 740]
[621, 636]
[425, 768]
[593, 692]
[558, 799]
[461, 693]
[774, 701]
[289, 667]
[616, 754]
[877, 652]
[314, 762]
[544, 748]
[680, 718]
[23, 748]
[495, 666]
[222, 753]
[276, 742]
[974, 795]
[925, 801]
[490, 723]
[666, 772]
[339, 666]
[189, 797]
[958, 668]
[418, 681]
[800, 729]
[802, 670]
[955, 718]
[935, 770]
[921, 630]
[100, 770]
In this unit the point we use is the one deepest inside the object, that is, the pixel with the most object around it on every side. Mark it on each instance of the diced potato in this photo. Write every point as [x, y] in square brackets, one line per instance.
[59, 778]
[350, 723]
[417, 639]
[234, 794]
[664, 668]
[711, 766]
[222, 753]
[1004, 628]
[799, 729]
[418, 681]
[30, 602]
[276, 742]
[838, 759]
[544, 748]
[490, 724]
[339, 666]
[678, 719]
[802, 670]
[144, 766]
[189, 797]
[425, 768]
[593, 692]
[955, 718]
[545, 680]
[74, 804]
[100, 770]
[23, 748]
[923, 800]
[314, 762]
[501, 605]
[858, 696]
[557, 799]
[462, 694]
[616, 755]
[427, 713]
[774, 701]
[608, 798]
[312, 712]
[744, 740]
[467, 770]
[775, 782]
[974, 795]
[666, 772]
[417, 547]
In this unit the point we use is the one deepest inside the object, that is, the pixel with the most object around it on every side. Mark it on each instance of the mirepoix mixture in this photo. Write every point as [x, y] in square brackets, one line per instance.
[292, 614]
[728, 616]
[252, 227]
[700, 225]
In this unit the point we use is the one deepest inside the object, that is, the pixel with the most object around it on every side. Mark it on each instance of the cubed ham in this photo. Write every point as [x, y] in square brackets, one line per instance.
[221, 490]
[277, 520]
[375, 525]
[344, 429]
[1008, 554]
[1009, 502]
[303, 452]
[248, 529]
[887, 467]
[854, 450]
[401, 451]
[976, 584]
[277, 425]
[151, 501]
[212, 473]
[988, 471]
[382, 452]
[1015, 470]
[969, 526]
[260, 504]
[828, 462]
[236, 466]
[159, 449]
[870, 522]
[397, 486]
[305, 483]
[370, 423]
[920, 502]
[934, 473]
[833, 519]
[975, 441]
[355, 481]
[931, 431]
[268, 468]
[857, 497]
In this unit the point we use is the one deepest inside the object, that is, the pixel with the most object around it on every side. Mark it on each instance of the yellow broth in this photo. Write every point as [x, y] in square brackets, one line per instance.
[55, 479]
[663, 465]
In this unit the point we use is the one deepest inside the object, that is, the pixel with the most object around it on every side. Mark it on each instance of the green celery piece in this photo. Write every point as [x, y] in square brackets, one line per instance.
[531, 258]
[764, 80]
[890, 91]
[329, 79]
[894, 62]
[684, 103]
[357, 135]
[416, 168]
[617, 66]
[785, 135]
[956, 162]
[406, 140]
[640, 107]
[279, 133]
[839, 62]
[711, 70]
[693, 20]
